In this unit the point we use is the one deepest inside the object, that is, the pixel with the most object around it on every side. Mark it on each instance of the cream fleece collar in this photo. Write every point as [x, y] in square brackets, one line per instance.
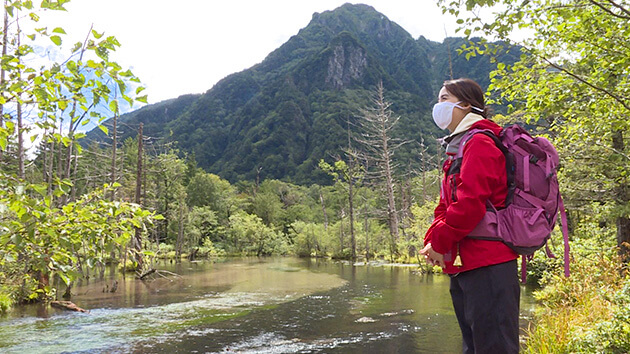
[451, 142]
[466, 123]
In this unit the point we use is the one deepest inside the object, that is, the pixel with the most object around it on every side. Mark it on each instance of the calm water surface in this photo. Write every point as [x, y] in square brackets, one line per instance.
[270, 305]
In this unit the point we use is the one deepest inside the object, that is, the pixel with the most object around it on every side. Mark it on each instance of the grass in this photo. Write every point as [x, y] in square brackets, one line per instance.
[583, 313]
[6, 302]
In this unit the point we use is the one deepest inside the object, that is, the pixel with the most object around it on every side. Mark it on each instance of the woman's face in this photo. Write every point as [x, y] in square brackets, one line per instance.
[458, 113]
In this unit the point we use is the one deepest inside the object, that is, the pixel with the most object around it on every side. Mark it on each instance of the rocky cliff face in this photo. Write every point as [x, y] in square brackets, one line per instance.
[347, 63]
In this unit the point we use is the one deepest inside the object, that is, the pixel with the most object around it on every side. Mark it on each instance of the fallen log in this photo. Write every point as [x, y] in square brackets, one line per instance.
[67, 305]
[146, 274]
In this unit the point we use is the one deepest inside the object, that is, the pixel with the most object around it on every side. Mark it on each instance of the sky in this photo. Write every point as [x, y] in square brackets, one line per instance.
[186, 46]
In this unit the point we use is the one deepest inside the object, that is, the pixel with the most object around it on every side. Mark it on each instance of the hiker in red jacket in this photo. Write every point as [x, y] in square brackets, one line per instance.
[484, 284]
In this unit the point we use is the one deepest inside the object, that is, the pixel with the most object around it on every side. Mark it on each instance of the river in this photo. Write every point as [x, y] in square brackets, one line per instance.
[250, 305]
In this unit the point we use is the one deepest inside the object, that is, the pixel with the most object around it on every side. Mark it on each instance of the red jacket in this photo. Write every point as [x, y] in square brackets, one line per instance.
[482, 177]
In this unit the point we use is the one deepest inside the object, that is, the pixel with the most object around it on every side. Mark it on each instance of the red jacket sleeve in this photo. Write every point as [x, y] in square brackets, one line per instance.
[438, 214]
[482, 170]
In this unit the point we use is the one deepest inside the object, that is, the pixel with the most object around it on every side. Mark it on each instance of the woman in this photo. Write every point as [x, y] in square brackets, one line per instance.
[484, 284]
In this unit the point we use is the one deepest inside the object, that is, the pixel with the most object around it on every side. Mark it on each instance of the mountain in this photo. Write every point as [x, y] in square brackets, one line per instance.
[294, 108]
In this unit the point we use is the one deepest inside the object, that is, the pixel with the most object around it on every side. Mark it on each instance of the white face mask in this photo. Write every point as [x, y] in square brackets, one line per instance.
[443, 113]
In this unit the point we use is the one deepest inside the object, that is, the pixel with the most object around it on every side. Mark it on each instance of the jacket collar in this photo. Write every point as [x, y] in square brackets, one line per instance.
[451, 141]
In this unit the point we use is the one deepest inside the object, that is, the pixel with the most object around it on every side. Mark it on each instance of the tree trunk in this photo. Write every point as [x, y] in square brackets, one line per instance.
[138, 235]
[2, 71]
[113, 173]
[67, 305]
[392, 216]
[367, 232]
[623, 238]
[114, 151]
[622, 196]
[353, 240]
[20, 133]
[73, 195]
[341, 236]
[180, 233]
[351, 172]
[60, 153]
[321, 199]
[51, 165]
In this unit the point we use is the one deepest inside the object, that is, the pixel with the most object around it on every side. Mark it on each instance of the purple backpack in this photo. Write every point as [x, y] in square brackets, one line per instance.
[533, 202]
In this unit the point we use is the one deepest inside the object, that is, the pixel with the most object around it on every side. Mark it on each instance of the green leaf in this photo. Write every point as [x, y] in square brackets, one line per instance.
[142, 99]
[56, 40]
[97, 35]
[77, 46]
[104, 129]
[42, 189]
[113, 106]
[59, 30]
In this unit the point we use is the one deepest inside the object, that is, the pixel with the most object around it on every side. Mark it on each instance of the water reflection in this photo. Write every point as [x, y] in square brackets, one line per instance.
[280, 305]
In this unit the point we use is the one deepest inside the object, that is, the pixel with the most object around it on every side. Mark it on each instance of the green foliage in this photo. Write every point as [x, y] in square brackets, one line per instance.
[209, 250]
[585, 313]
[203, 227]
[47, 231]
[249, 235]
[308, 239]
[206, 189]
[62, 241]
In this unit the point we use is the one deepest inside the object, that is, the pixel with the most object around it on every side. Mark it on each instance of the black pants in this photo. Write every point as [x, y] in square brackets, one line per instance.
[486, 302]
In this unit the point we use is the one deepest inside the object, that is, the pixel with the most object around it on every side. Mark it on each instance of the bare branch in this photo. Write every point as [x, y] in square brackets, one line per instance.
[619, 7]
[582, 80]
[607, 10]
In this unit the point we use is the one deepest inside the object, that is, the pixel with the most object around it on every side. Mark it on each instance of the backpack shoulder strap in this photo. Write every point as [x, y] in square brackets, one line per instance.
[510, 164]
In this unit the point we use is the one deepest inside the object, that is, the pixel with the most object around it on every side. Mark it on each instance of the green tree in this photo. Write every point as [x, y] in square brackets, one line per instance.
[573, 79]
[348, 175]
[207, 189]
[65, 241]
[169, 171]
[203, 225]
[45, 228]
[308, 239]
[267, 205]
[250, 235]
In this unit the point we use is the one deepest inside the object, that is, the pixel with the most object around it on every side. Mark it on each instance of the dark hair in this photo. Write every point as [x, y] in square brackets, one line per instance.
[468, 91]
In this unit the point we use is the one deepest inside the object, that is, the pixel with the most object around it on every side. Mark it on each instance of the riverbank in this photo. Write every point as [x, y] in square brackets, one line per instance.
[589, 312]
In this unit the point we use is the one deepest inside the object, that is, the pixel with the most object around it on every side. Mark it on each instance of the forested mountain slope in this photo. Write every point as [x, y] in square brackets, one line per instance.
[286, 113]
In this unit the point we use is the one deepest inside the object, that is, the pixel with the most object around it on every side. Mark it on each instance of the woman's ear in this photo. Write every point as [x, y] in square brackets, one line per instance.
[467, 107]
